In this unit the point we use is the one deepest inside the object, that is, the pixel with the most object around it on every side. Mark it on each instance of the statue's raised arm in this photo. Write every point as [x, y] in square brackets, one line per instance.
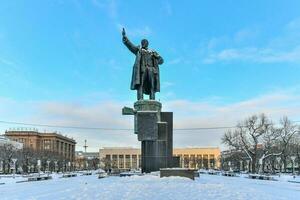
[134, 49]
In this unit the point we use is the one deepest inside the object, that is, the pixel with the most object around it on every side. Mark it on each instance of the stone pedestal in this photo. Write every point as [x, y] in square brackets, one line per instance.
[188, 173]
[155, 131]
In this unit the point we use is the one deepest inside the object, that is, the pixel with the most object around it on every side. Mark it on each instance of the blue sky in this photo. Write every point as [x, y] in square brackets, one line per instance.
[63, 62]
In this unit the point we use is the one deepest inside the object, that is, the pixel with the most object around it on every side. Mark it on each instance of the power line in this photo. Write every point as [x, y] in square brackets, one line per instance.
[67, 127]
[204, 128]
[108, 129]
[115, 129]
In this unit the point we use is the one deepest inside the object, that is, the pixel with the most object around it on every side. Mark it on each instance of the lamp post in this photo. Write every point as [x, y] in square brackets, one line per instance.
[64, 166]
[248, 162]
[1, 165]
[241, 165]
[48, 164]
[293, 158]
[278, 160]
[28, 165]
[229, 164]
[14, 165]
[55, 165]
[69, 165]
[260, 161]
[39, 166]
[73, 166]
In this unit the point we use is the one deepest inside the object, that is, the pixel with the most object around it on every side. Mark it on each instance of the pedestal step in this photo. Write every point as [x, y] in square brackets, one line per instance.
[182, 172]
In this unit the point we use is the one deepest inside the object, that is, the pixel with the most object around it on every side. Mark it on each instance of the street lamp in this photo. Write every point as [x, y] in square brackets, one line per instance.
[14, 165]
[260, 161]
[293, 158]
[69, 165]
[73, 166]
[278, 160]
[248, 168]
[48, 164]
[241, 165]
[39, 166]
[1, 165]
[229, 164]
[55, 165]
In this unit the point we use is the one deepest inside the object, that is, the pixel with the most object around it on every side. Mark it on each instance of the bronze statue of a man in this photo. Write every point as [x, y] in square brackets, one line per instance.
[145, 73]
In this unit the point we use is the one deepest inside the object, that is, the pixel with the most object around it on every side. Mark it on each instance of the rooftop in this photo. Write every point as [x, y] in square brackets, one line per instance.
[34, 131]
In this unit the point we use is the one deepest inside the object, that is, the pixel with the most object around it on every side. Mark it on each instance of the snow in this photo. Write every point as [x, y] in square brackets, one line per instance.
[208, 187]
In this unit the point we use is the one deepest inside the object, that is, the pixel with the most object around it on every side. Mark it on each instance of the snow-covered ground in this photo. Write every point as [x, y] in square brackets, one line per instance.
[207, 187]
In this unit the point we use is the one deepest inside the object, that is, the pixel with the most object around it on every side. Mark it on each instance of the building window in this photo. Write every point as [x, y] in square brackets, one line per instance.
[205, 161]
[57, 145]
[134, 161]
[199, 161]
[127, 162]
[114, 161]
[62, 148]
[121, 161]
[186, 161]
[193, 161]
[212, 160]
[47, 144]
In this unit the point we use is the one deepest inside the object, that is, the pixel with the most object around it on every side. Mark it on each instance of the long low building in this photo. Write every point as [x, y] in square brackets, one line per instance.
[125, 158]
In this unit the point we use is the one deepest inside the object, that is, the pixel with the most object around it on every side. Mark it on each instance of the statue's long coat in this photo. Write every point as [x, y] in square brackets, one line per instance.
[136, 71]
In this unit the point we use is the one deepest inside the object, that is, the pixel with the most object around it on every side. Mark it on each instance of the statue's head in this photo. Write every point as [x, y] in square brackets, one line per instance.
[144, 43]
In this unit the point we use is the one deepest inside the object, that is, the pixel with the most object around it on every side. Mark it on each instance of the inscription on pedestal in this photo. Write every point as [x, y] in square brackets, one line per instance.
[147, 125]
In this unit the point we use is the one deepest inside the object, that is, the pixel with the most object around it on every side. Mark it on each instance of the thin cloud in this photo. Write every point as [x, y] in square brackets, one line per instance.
[281, 49]
[110, 6]
[187, 114]
[175, 61]
[167, 84]
[7, 62]
[167, 8]
[259, 55]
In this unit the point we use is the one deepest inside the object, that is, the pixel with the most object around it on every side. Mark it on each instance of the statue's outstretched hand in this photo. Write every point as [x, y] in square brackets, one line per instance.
[124, 38]
[123, 32]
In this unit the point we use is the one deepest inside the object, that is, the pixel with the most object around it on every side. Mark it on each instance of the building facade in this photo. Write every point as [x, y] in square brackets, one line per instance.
[125, 158]
[199, 157]
[47, 141]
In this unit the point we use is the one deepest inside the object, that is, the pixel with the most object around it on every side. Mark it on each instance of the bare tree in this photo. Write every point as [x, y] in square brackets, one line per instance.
[297, 152]
[27, 154]
[7, 152]
[287, 133]
[269, 144]
[248, 136]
